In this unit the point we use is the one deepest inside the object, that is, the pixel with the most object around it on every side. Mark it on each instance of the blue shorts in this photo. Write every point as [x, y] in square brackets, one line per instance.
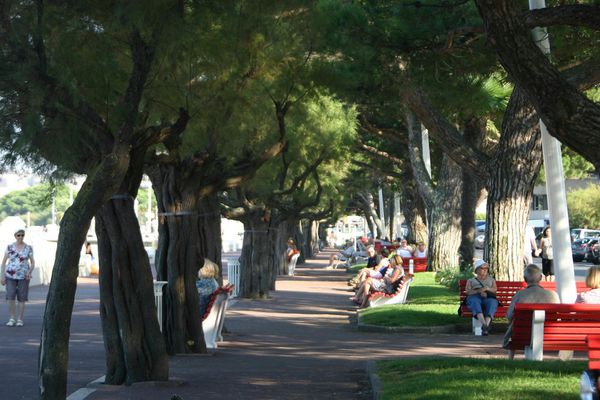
[17, 288]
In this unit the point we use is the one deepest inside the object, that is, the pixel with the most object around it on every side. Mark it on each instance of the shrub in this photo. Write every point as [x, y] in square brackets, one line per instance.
[583, 207]
[450, 277]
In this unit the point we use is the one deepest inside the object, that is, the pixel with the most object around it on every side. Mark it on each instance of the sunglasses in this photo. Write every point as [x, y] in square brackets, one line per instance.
[19, 235]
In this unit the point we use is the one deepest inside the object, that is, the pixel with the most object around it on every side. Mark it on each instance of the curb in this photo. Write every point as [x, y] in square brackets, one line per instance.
[376, 386]
[409, 329]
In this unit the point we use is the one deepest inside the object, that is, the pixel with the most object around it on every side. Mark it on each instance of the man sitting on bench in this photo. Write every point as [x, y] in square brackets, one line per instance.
[534, 293]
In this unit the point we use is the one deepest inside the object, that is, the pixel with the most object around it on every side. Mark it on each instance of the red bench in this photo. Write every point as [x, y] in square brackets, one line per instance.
[506, 291]
[593, 342]
[539, 327]
[399, 297]
[419, 264]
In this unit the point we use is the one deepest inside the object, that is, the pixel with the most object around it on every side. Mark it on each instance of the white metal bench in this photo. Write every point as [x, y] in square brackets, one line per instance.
[214, 317]
[399, 297]
[292, 264]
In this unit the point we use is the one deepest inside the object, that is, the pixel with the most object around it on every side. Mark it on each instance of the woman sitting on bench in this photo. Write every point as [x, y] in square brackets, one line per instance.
[388, 284]
[481, 295]
[206, 283]
[376, 267]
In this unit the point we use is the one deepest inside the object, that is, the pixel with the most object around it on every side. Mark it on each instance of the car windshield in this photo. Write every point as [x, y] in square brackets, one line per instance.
[591, 234]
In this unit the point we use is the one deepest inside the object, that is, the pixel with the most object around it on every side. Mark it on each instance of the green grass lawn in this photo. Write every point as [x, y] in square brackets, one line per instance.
[429, 304]
[472, 378]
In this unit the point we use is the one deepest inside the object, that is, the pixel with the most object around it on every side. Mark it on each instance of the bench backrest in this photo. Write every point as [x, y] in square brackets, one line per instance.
[507, 289]
[566, 326]
[504, 294]
[225, 290]
[419, 264]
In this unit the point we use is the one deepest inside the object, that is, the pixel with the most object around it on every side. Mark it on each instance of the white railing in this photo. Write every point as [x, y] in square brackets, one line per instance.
[158, 296]
[233, 275]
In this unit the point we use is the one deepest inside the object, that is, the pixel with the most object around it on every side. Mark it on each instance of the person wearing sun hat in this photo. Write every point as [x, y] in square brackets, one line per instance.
[481, 295]
[17, 266]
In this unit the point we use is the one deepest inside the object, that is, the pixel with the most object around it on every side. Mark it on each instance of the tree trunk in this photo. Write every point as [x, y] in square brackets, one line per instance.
[367, 205]
[444, 198]
[391, 212]
[446, 211]
[54, 344]
[256, 259]
[413, 209]
[474, 133]
[515, 169]
[180, 255]
[313, 239]
[135, 348]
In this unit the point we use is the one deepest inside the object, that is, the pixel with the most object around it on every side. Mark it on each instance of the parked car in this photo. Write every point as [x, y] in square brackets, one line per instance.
[594, 256]
[580, 248]
[580, 233]
[479, 241]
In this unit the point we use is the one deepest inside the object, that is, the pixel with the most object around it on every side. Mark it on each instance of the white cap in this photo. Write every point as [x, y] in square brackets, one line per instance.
[19, 230]
[478, 264]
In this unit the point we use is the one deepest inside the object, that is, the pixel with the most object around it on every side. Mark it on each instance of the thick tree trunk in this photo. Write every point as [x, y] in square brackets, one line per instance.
[313, 239]
[256, 259]
[413, 209]
[446, 212]
[515, 169]
[471, 188]
[180, 255]
[444, 198]
[135, 348]
[54, 344]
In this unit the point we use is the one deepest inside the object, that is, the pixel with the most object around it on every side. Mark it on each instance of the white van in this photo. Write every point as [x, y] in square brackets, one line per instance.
[583, 233]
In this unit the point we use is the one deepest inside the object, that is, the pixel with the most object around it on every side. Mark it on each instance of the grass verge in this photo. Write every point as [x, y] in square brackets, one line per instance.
[428, 304]
[472, 378]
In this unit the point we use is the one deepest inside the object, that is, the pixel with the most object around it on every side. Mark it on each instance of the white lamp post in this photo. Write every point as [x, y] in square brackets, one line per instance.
[557, 198]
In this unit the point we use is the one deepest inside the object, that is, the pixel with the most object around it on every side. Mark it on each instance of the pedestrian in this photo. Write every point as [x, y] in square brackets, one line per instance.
[530, 248]
[17, 266]
[547, 254]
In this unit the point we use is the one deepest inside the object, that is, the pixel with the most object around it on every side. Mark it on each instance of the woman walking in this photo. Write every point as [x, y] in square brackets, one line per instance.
[17, 266]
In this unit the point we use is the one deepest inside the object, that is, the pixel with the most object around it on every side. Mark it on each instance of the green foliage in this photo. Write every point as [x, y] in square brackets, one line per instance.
[450, 277]
[574, 166]
[36, 200]
[583, 207]
[450, 378]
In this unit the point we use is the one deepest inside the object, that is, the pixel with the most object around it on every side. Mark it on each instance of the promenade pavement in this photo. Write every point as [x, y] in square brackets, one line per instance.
[302, 343]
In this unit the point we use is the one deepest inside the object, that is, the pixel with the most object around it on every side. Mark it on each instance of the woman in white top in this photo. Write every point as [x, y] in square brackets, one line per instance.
[420, 251]
[17, 266]
[592, 280]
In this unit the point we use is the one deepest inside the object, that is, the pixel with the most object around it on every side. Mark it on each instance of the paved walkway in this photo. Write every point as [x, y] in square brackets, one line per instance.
[300, 344]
